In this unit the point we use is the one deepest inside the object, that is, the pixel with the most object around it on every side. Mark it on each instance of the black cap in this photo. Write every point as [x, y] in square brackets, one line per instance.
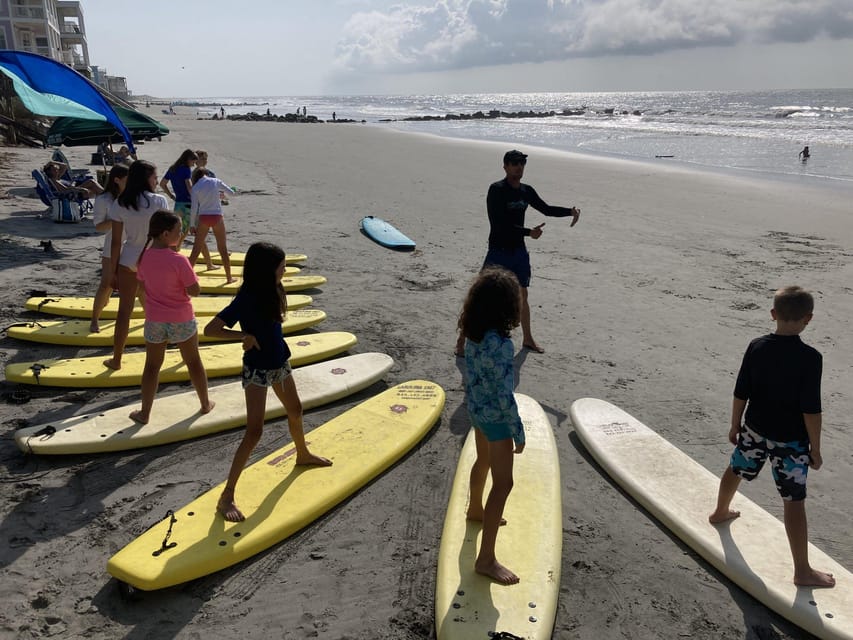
[515, 154]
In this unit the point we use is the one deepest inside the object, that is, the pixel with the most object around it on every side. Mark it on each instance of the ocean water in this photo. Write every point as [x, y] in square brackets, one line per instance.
[743, 132]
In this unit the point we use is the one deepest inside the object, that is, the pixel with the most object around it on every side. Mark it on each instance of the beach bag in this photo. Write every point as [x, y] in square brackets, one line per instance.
[65, 210]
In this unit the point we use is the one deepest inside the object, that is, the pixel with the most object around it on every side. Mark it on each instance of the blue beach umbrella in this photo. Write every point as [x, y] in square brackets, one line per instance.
[49, 88]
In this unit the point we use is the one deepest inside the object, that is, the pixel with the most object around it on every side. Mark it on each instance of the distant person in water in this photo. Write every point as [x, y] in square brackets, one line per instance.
[506, 204]
[804, 154]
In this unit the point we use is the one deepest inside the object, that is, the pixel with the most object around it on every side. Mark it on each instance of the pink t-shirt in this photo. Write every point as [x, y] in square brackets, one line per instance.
[166, 276]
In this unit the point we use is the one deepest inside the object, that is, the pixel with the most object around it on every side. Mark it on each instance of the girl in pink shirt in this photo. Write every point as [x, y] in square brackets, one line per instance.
[169, 281]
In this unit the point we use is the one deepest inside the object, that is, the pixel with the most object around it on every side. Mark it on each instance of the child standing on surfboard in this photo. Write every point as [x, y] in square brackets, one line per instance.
[169, 281]
[259, 307]
[491, 311]
[778, 386]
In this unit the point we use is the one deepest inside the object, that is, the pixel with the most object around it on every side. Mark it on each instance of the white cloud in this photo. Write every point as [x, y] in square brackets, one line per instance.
[462, 34]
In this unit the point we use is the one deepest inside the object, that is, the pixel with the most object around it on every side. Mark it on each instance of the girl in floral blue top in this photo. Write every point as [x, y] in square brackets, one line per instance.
[491, 311]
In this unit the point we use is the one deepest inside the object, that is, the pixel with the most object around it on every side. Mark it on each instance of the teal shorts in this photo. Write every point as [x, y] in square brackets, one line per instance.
[494, 431]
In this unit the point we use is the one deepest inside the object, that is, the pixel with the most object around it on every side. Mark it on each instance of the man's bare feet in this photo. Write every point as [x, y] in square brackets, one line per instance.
[815, 578]
[228, 508]
[312, 460]
[497, 572]
[208, 408]
[725, 516]
[112, 364]
[533, 346]
[137, 416]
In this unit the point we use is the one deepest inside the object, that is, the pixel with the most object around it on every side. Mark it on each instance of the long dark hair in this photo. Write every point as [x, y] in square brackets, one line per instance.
[137, 184]
[184, 159]
[493, 303]
[262, 260]
[118, 171]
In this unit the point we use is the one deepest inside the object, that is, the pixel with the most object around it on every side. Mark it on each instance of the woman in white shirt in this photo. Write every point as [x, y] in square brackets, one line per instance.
[116, 182]
[130, 214]
[206, 213]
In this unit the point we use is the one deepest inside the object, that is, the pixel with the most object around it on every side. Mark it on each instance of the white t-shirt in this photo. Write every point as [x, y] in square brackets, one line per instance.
[136, 225]
[205, 196]
[100, 212]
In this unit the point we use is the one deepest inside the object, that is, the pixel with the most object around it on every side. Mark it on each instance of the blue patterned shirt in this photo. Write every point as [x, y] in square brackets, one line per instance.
[489, 383]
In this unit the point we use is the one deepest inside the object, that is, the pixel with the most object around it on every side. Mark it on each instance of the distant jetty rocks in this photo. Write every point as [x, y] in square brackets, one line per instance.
[495, 113]
[477, 115]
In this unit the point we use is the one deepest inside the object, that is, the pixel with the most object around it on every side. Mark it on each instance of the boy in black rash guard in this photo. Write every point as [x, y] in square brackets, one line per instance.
[779, 386]
[507, 203]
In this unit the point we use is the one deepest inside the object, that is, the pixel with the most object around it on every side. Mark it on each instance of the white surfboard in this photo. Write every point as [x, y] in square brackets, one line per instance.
[469, 605]
[175, 417]
[751, 550]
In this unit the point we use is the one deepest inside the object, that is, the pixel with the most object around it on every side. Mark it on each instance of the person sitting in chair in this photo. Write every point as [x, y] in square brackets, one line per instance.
[87, 188]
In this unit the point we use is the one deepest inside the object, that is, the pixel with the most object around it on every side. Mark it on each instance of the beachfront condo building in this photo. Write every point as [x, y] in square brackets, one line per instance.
[55, 29]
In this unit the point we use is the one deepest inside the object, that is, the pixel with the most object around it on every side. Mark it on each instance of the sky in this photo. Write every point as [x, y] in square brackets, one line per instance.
[189, 48]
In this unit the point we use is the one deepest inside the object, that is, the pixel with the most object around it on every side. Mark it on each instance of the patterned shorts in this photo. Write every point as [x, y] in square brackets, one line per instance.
[183, 209]
[265, 377]
[789, 462]
[174, 332]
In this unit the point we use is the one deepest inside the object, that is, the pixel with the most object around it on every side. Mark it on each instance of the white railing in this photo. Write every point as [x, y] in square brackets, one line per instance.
[35, 13]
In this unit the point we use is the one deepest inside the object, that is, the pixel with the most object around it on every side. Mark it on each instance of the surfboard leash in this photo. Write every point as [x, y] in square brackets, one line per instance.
[166, 545]
[37, 368]
[49, 430]
[28, 325]
[46, 301]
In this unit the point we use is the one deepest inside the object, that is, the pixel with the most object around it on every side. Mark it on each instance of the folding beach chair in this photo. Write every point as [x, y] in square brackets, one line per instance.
[65, 206]
[74, 176]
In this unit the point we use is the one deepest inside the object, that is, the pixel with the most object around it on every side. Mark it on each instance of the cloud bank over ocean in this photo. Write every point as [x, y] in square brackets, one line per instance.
[463, 34]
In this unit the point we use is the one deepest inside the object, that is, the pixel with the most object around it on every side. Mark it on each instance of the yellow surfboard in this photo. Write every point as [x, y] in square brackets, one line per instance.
[238, 258]
[76, 332]
[469, 605]
[218, 286]
[752, 550]
[225, 359]
[176, 417]
[279, 498]
[81, 307]
[236, 271]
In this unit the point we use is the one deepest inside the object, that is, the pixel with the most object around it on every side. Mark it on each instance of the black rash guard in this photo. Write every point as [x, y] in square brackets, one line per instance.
[506, 207]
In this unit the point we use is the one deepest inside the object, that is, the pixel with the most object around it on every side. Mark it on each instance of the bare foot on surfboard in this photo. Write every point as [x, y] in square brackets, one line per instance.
[497, 572]
[719, 518]
[208, 408]
[111, 364]
[815, 578]
[313, 461]
[137, 416]
[94, 328]
[229, 510]
[475, 516]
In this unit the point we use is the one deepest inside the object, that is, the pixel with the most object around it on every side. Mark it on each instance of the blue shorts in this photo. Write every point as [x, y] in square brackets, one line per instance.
[265, 377]
[174, 332]
[515, 260]
[789, 462]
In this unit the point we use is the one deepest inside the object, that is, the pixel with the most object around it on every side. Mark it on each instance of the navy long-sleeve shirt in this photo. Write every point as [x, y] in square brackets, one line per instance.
[506, 207]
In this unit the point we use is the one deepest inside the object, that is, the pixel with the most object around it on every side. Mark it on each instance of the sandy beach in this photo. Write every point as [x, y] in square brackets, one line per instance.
[649, 303]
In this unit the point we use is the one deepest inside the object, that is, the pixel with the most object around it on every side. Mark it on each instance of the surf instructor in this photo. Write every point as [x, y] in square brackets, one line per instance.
[507, 202]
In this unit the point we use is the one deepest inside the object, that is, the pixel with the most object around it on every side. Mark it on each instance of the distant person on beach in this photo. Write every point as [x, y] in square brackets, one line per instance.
[130, 214]
[805, 154]
[778, 386]
[169, 281]
[334, 116]
[506, 203]
[491, 311]
[222, 112]
[206, 214]
[260, 306]
[116, 181]
[179, 176]
[87, 187]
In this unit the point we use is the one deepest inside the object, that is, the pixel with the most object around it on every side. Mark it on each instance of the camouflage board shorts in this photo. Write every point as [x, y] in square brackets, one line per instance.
[789, 462]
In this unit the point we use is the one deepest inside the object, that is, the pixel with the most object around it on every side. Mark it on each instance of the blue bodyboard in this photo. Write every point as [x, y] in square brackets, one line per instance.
[385, 234]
